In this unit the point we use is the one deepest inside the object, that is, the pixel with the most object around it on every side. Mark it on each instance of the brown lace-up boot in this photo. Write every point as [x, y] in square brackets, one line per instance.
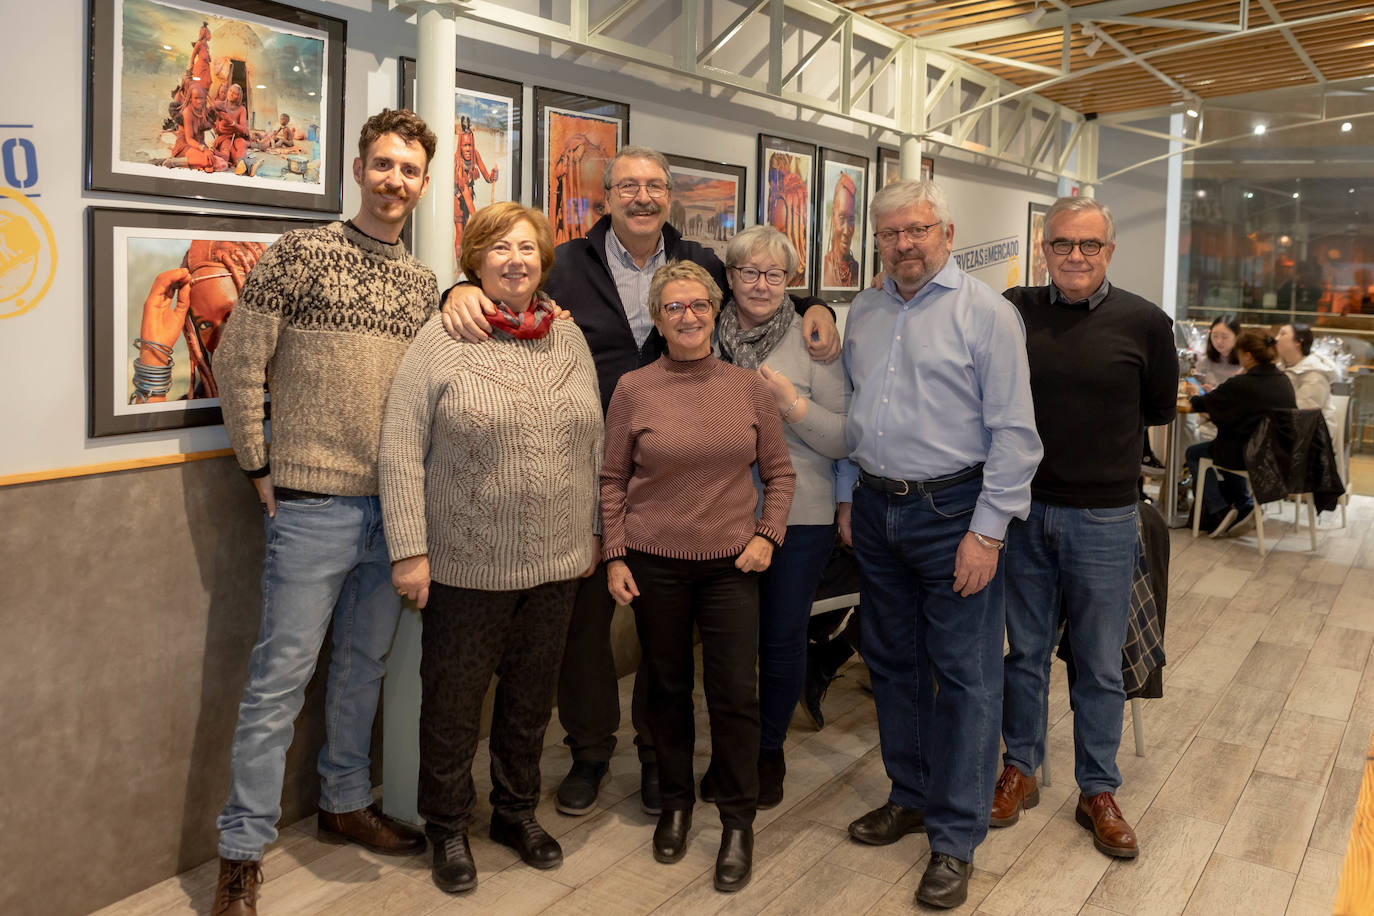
[236, 894]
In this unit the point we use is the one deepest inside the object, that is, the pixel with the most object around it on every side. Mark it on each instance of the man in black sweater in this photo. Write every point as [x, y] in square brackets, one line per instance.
[1102, 367]
[603, 281]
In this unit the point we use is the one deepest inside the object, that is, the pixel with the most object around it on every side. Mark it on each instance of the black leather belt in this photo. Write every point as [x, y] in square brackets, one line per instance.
[288, 493]
[918, 487]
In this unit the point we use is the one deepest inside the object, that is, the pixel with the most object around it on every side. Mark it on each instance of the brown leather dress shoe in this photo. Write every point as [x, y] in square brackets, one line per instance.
[1111, 834]
[1016, 792]
[370, 829]
[236, 894]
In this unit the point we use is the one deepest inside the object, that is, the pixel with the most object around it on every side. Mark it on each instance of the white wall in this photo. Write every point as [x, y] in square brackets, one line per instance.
[44, 352]
[1137, 200]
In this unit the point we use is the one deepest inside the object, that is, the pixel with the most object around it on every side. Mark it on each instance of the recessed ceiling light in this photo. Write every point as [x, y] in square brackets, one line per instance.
[1259, 130]
[1191, 112]
[295, 69]
[1346, 127]
[1296, 195]
[1249, 195]
[1201, 192]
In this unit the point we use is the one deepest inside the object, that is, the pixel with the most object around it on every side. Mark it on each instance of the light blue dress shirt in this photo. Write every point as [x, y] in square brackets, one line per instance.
[941, 383]
[632, 281]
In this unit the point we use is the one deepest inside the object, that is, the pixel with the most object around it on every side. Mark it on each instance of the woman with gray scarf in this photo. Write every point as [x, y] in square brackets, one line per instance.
[756, 332]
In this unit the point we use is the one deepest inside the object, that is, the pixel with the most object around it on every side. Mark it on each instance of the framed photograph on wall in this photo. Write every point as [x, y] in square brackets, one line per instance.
[708, 201]
[235, 100]
[575, 136]
[841, 215]
[786, 178]
[487, 131]
[1037, 269]
[890, 166]
[163, 283]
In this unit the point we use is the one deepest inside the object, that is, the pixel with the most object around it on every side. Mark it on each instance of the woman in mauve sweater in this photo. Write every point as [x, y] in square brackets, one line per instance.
[488, 473]
[682, 545]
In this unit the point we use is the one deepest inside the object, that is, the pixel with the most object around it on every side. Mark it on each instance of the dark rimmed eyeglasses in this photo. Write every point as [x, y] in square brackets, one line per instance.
[775, 277]
[630, 189]
[675, 310]
[887, 237]
[1088, 247]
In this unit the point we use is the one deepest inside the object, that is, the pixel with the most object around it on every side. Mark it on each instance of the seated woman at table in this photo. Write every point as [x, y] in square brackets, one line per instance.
[1221, 360]
[488, 472]
[1310, 373]
[682, 546]
[755, 331]
[1236, 406]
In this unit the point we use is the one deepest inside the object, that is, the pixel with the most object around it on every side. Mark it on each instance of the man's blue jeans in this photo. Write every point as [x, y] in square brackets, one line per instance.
[935, 659]
[326, 560]
[1081, 561]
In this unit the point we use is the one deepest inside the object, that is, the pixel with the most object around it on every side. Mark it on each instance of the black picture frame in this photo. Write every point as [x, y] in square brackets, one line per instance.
[839, 278]
[1037, 268]
[890, 167]
[128, 249]
[786, 196]
[127, 152]
[704, 210]
[470, 88]
[574, 135]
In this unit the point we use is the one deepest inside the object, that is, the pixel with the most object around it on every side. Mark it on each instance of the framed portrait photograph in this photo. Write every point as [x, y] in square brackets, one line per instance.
[786, 176]
[841, 215]
[235, 100]
[487, 128]
[575, 136]
[163, 284]
[1037, 269]
[708, 201]
[890, 166]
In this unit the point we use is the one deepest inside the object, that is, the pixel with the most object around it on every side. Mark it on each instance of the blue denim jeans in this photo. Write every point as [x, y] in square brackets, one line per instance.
[326, 561]
[934, 657]
[786, 591]
[1081, 561]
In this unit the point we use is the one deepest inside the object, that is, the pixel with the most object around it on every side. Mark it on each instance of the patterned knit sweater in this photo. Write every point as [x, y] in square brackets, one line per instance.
[323, 321]
[681, 438]
[489, 458]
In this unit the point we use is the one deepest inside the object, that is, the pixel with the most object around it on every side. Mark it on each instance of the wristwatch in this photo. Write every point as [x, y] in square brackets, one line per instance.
[988, 542]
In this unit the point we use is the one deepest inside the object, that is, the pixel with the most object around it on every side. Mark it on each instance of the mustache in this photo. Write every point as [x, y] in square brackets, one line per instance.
[643, 210]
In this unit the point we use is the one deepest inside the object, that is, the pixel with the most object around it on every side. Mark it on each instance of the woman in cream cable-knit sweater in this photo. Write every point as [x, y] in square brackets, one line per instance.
[488, 467]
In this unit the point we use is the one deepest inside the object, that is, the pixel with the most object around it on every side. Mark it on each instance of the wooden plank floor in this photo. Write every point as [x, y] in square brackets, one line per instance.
[1243, 802]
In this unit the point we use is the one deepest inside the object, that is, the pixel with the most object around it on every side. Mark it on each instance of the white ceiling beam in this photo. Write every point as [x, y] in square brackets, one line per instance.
[730, 31]
[1193, 25]
[1007, 62]
[1017, 25]
[614, 16]
[1292, 40]
[1135, 58]
[835, 28]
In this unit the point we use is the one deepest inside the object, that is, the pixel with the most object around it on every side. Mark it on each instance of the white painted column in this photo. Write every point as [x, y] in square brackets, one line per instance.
[1173, 213]
[436, 61]
[911, 157]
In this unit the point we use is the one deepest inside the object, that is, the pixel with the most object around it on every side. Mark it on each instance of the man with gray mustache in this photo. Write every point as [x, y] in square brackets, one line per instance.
[603, 281]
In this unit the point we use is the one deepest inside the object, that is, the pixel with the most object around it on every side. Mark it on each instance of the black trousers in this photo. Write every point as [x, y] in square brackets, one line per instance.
[588, 691]
[466, 637]
[724, 604]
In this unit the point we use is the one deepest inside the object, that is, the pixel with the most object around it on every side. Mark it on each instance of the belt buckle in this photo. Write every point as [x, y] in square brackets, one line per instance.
[904, 491]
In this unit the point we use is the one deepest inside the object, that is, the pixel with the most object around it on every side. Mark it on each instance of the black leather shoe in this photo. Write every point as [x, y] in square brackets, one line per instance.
[670, 836]
[772, 770]
[814, 688]
[650, 793]
[577, 793]
[945, 883]
[735, 861]
[887, 824]
[521, 832]
[453, 869]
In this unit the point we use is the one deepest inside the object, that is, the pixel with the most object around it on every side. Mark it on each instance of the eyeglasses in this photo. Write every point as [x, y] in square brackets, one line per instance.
[775, 277]
[887, 237]
[676, 310]
[630, 189]
[1088, 247]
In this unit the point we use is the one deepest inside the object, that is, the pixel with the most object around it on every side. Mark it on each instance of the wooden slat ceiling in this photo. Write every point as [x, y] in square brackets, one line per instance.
[1341, 48]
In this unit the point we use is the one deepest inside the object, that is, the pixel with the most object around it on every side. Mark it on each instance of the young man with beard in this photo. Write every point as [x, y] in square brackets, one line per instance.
[603, 281]
[328, 313]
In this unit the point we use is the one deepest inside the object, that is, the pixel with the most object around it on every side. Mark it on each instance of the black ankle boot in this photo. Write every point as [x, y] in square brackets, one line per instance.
[772, 769]
[670, 836]
[735, 861]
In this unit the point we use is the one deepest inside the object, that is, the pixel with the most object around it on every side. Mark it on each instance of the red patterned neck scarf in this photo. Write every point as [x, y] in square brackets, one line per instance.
[531, 324]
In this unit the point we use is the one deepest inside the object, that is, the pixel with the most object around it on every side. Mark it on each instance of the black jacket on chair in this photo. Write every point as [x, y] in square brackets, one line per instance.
[1236, 406]
[1290, 451]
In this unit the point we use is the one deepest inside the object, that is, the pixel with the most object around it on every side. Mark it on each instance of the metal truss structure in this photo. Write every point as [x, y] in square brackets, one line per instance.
[822, 58]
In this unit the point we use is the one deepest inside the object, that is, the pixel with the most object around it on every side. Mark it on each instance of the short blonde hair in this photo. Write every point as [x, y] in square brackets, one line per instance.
[682, 270]
[491, 223]
[748, 242]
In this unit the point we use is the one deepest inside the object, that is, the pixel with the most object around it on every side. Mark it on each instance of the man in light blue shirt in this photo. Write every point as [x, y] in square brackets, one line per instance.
[942, 432]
